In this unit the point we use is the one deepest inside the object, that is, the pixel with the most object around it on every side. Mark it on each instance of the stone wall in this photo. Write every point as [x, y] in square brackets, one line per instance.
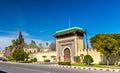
[1, 54]
[30, 50]
[95, 55]
[39, 55]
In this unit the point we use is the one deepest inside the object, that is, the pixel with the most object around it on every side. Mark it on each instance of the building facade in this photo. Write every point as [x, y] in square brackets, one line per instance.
[70, 43]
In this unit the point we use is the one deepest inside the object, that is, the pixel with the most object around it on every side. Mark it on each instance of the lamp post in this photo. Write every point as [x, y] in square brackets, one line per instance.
[88, 62]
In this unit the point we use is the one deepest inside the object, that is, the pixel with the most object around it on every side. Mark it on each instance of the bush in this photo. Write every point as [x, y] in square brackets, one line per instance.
[64, 63]
[4, 60]
[35, 60]
[88, 59]
[77, 58]
[11, 59]
[27, 61]
[47, 60]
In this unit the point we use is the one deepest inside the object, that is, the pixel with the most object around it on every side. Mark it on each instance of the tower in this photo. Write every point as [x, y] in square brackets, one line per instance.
[68, 43]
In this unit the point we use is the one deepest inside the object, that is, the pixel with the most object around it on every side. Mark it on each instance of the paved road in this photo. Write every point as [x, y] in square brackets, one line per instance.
[41, 68]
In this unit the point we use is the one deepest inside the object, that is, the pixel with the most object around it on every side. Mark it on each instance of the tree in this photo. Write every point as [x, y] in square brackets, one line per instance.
[16, 44]
[21, 40]
[26, 45]
[32, 44]
[47, 44]
[88, 59]
[34, 59]
[104, 44]
[8, 51]
[19, 55]
[117, 38]
[40, 45]
[53, 46]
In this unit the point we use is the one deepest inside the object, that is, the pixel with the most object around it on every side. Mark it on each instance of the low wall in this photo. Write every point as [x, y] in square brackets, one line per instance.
[1, 55]
[39, 55]
[95, 55]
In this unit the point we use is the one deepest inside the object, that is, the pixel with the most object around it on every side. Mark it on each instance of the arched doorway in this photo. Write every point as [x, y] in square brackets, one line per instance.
[67, 55]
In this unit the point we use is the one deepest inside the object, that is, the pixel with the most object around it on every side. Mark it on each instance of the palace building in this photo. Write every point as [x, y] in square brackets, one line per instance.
[70, 43]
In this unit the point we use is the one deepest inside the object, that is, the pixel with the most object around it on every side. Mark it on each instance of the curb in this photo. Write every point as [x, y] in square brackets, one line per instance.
[87, 68]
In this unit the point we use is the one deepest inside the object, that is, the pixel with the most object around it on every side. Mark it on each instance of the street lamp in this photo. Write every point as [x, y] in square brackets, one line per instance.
[88, 62]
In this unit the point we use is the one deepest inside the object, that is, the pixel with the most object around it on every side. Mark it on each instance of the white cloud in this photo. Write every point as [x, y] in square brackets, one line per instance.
[6, 40]
[14, 33]
[25, 34]
[28, 40]
[6, 31]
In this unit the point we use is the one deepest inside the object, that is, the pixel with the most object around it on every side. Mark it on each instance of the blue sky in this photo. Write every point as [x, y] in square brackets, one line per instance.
[40, 19]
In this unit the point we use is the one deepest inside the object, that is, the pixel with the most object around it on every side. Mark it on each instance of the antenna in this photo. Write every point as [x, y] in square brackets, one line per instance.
[69, 22]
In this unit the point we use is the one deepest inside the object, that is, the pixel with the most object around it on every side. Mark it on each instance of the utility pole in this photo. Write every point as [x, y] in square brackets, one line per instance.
[87, 47]
[69, 22]
[87, 43]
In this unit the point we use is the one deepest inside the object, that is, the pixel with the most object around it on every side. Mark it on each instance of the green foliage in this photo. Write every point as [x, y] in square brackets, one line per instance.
[33, 44]
[11, 59]
[21, 39]
[77, 57]
[8, 51]
[44, 57]
[47, 60]
[34, 59]
[19, 55]
[47, 44]
[88, 59]
[26, 45]
[64, 63]
[27, 61]
[40, 45]
[18, 43]
[117, 38]
[107, 44]
[4, 60]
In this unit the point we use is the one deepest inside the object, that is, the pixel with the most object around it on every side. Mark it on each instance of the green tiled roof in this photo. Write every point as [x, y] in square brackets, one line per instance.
[69, 30]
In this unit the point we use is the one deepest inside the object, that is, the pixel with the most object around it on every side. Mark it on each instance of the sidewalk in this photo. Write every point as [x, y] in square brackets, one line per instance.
[88, 68]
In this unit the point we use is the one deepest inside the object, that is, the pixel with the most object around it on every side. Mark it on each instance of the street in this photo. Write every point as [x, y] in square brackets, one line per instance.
[41, 68]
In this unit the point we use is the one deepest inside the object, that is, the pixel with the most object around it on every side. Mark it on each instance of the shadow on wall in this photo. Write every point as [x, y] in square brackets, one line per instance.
[114, 59]
[2, 71]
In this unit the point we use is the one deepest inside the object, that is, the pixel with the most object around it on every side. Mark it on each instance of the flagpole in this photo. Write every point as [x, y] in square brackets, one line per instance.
[69, 22]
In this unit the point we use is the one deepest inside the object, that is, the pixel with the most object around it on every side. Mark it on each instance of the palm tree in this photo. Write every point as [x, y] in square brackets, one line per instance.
[40, 45]
[47, 44]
